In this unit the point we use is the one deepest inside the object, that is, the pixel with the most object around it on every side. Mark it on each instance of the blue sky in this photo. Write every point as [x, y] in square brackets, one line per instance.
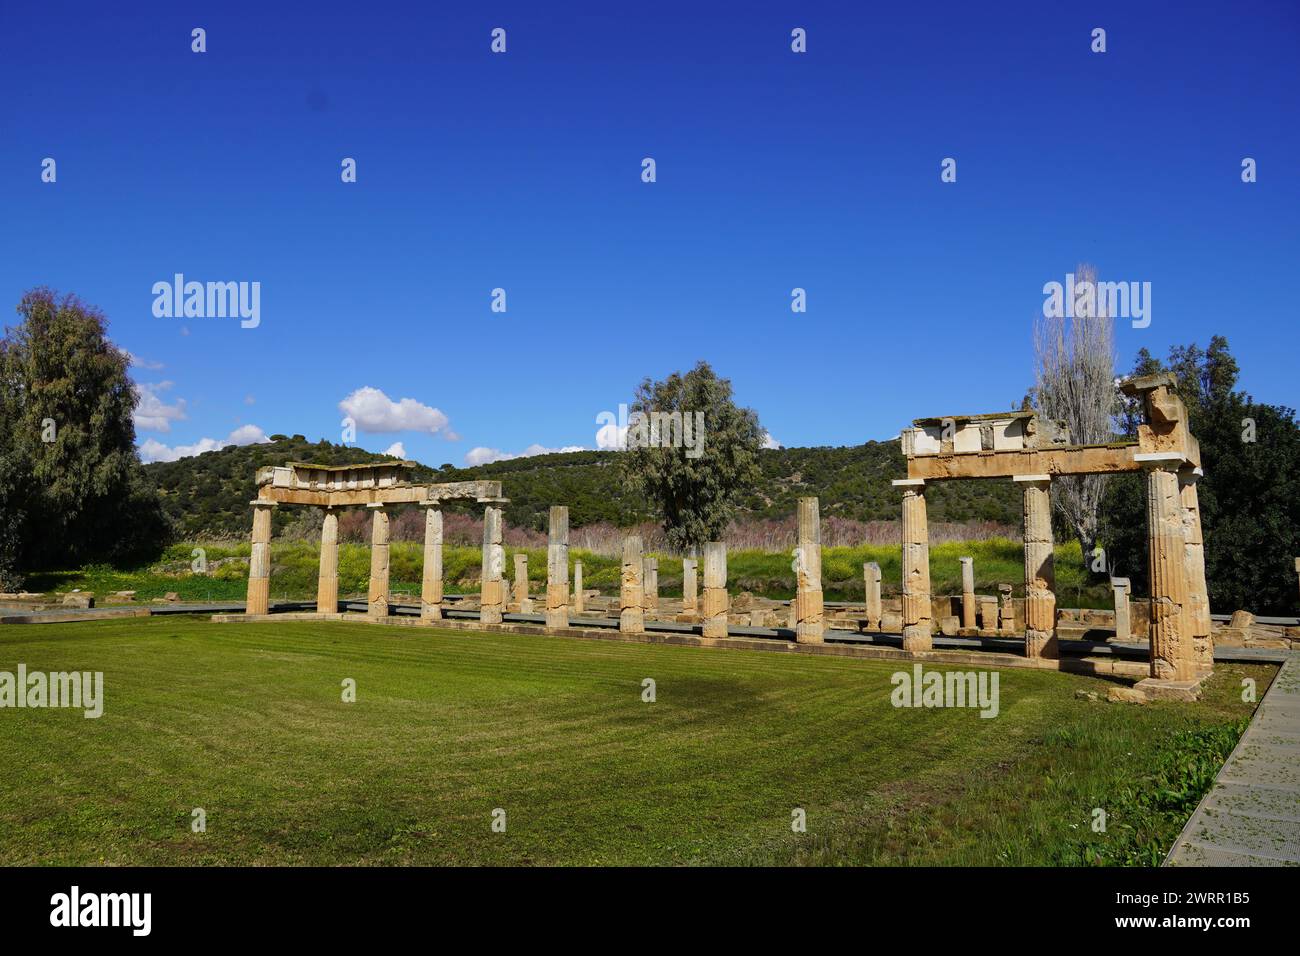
[522, 171]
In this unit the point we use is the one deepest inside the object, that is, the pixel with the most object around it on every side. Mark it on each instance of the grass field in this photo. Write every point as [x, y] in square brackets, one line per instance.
[247, 722]
[295, 566]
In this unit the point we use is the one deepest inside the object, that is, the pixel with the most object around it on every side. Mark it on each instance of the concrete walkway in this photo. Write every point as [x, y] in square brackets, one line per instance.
[1251, 816]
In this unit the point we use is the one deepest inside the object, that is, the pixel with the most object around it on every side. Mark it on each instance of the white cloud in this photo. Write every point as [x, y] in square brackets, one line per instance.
[373, 411]
[152, 414]
[139, 362]
[396, 449]
[485, 456]
[769, 441]
[151, 450]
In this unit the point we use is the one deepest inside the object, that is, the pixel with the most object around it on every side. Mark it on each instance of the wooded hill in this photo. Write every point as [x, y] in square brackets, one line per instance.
[208, 494]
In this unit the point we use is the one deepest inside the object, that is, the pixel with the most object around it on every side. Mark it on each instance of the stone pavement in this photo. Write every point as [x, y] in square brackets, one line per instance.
[1251, 816]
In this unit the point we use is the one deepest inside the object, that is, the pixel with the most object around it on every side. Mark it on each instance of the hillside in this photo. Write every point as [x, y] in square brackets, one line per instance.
[208, 494]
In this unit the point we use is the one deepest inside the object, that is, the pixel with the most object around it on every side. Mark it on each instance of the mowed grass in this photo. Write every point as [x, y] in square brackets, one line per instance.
[247, 722]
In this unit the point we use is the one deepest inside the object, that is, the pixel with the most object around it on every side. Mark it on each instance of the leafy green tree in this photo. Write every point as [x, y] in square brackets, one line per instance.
[696, 483]
[1249, 496]
[69, 460]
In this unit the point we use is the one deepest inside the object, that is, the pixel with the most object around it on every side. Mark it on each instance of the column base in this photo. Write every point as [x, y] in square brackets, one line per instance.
[1042, 644]
[916, 637]
[632, 620]
[557, 617]
[1185, 690]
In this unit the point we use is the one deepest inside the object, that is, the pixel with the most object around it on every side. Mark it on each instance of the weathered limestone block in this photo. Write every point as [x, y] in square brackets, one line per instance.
[79, 599]
[377, 600]
[557, 569]
[891, 622]
[871, 580]
[917, 611]
[809, 609]
[327, 579]
[1198, 597]
[689, 584]
[579, 596]
[631, 619]
[1006, 608]
[714, 603]
[522, 600]
[431, 578]
[1123, 620]
[988, 612]
[259, 561]
[1172, 657]
[650, 583]
[967, 592]
[1040, 569]
[949, 625]
[492, 599]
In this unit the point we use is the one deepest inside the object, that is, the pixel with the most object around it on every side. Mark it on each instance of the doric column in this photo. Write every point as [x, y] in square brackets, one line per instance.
[377, 600]
[715, 600]
[522, 600]
[967, 592]
[809, 625]
[1171, 639]
[1198, 598]
[690, 601]
[631, 618]
[327, 581]
[650, 583]
[917, 609]
[1123, 621]
[259, 560]
[431, 579]
[557, 568]
[1040, 568]
[577, 588]
[492, 596]
[871, 583]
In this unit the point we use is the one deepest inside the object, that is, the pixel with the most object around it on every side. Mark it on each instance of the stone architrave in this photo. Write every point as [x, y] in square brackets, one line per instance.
[809, 608]
[631, 618]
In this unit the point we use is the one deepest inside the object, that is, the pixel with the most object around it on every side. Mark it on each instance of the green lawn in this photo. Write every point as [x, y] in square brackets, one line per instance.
[247, 722]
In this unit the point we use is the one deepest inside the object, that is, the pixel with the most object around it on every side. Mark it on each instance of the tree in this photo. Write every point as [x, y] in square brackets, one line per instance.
[692, 453]
[1074, 371]
[1249, 496]
[68, 464]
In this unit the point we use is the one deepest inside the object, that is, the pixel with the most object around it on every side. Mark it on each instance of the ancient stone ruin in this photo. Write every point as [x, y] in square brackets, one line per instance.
[1020, 446]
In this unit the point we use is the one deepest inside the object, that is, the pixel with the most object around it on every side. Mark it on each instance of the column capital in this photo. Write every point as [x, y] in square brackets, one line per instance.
[1033, 479]
[906, 483]
[263, 503]
[377, 505]
[1161, 460]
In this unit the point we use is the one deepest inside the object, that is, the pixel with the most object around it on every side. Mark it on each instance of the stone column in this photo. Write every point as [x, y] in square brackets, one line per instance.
[577, 588]
[524, 602]
[715, 598]
[809, 624]
[631, 618]
[1040, 568]
[492, 592]
[1171, 641]
[378, 596]
[1123, 621]
[871, 578]
[967, 592]
[1198, 598]
[690, 601]
[259, 560]
[557, 569]
[327, 581]
[917, 609]
[431, 580]
[650, 583]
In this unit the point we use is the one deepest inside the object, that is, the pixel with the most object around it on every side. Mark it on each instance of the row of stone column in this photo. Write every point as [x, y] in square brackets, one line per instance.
[1181, 642]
